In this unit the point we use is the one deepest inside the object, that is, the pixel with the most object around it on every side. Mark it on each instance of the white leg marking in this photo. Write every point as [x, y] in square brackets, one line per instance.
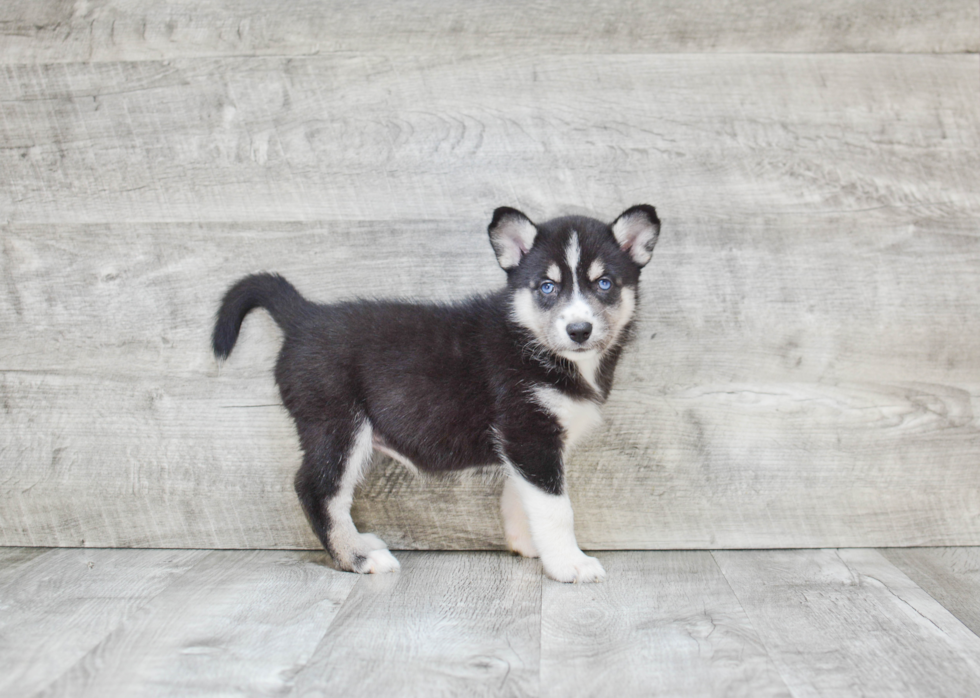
[373, 542]
[379, 562]
[516, 529]
[364, 553]
[552, 527]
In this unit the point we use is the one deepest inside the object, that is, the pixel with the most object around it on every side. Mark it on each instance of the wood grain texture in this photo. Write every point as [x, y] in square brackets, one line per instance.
[848, 623]
[65, 602]
[949, 575]
[33, 31]
[662, 624]
[364, 137]
[446, 625]
[778, 623]
[814, 384]
[235, 623]
[12, 559]
[806, 371]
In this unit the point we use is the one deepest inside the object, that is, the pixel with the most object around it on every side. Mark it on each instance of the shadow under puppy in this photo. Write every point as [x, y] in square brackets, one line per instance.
[513, 378]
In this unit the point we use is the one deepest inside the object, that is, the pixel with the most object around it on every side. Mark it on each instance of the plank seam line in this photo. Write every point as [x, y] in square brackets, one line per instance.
[481, 54]
[748, 618]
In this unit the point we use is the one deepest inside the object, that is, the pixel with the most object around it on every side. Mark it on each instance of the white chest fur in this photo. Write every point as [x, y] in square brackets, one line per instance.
[577, 417]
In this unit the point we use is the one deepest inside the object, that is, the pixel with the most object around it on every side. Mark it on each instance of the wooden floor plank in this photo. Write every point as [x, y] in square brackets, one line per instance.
[237, 622]
[949, 575]
[101, 30]
[13, 559]
[848, 623]
[446, 625]
[662, 624]
[62, 606]
[361, 137]
[801, 623]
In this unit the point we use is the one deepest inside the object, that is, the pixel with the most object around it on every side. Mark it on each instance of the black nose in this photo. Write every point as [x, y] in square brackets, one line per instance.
[579, 331]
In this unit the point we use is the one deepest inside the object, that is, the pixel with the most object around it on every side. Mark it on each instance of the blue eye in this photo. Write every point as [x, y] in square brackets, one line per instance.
[547, 287]
[605, 284]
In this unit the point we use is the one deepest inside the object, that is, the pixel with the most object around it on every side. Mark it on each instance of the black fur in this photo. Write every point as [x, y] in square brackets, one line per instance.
[269, 291]
[446, 386]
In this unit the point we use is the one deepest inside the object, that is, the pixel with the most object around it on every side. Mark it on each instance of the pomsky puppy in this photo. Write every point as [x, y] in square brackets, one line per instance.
[514, 378]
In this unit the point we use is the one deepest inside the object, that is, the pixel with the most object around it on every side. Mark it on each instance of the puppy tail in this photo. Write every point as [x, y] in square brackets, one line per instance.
[269, 291]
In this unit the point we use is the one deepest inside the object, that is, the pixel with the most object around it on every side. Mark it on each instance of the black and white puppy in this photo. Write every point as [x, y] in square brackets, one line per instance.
[514, 378]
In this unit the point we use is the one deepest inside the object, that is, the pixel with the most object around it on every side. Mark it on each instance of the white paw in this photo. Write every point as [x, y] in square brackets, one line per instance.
[579, 568]
[522, 545]
[372, 542]
[379, 562]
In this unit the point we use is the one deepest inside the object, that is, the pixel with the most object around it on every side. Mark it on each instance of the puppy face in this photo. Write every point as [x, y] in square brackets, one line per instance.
[574, 279]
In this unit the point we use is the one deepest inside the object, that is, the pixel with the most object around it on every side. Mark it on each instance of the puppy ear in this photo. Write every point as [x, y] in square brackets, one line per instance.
[636, 230]
[511, 234]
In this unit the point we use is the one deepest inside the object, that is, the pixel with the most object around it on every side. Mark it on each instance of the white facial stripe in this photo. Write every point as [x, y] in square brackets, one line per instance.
[554, 273]
[596, 269]
[578, 310]
[573, 254]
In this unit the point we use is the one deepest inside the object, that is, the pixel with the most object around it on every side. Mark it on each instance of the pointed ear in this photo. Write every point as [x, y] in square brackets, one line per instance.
[511, 234]
[636, 230]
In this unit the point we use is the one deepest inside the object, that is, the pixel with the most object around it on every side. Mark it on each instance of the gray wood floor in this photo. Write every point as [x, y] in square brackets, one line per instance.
[828, 622]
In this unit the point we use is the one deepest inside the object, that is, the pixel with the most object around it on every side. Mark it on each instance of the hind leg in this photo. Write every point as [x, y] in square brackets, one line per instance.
[332, 467]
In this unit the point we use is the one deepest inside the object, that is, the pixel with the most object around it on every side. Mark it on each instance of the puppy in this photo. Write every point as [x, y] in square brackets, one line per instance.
[515, 378]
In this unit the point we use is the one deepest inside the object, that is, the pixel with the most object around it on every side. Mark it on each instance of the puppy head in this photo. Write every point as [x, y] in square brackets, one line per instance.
[573, 279]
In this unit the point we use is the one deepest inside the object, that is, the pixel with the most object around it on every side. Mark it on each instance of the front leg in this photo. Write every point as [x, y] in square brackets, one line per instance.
[552, 528]
[517, 532]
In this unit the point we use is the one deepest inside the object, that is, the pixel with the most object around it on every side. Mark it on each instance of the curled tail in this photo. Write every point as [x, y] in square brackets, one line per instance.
[269, 291]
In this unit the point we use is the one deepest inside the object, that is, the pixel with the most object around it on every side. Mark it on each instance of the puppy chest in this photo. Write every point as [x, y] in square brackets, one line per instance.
[577, 417]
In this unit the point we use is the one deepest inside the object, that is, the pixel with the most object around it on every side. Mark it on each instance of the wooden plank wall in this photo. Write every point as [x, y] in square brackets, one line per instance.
[807, 371]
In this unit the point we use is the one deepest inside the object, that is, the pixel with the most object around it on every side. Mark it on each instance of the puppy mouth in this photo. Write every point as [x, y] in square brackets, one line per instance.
[595, 349]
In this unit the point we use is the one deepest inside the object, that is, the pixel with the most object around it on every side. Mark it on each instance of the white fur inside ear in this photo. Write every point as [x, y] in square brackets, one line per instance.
[636, 235]
[511, 238]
